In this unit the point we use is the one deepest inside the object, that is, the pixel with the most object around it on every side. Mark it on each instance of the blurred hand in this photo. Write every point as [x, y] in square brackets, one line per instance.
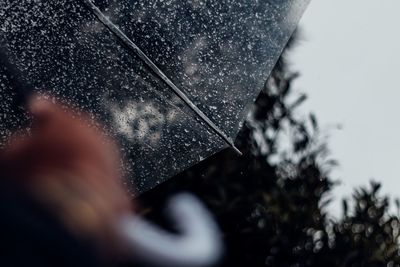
[72, 167]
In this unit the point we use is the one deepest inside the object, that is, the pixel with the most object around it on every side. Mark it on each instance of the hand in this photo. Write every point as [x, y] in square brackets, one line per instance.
[72, 168]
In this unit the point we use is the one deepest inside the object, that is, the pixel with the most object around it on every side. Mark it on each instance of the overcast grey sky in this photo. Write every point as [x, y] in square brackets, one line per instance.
[349, 59]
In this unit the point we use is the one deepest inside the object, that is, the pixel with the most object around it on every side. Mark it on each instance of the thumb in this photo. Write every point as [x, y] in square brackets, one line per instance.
[42, 110]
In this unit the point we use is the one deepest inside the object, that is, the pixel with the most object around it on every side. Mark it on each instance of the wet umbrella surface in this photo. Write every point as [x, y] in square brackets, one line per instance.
[172, 80]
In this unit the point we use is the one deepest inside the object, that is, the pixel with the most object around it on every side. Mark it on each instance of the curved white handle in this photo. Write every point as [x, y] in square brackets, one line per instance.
[198, 244]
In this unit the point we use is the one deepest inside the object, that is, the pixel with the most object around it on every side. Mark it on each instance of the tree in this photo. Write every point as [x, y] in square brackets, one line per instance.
[369, 236]
[270, 203]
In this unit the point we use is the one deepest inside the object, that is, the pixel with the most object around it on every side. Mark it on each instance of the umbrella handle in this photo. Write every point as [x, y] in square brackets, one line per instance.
[198, 243]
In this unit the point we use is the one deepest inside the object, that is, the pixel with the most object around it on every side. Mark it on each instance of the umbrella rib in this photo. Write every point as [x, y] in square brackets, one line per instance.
[129, 43]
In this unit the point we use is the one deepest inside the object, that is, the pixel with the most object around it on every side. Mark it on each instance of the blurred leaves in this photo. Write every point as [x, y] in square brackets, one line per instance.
[271, 202]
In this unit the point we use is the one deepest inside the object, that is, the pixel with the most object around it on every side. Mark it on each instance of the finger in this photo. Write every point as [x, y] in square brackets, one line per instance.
[41, 109]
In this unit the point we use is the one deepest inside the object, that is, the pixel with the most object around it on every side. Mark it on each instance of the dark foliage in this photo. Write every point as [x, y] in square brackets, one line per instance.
[270, 203]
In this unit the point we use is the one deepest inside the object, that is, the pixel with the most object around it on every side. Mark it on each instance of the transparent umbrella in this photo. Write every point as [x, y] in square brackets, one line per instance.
[171, 80]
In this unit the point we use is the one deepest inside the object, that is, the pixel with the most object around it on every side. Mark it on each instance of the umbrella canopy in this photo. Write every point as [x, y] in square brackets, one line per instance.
[171, 80]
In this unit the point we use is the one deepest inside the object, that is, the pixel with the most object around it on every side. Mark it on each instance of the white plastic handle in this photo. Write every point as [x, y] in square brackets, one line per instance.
[198, 244]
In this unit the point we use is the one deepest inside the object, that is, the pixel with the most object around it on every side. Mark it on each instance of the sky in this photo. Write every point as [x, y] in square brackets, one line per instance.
[349, 60]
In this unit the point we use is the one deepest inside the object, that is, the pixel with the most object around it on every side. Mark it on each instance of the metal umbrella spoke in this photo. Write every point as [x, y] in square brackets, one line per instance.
[129, 43]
